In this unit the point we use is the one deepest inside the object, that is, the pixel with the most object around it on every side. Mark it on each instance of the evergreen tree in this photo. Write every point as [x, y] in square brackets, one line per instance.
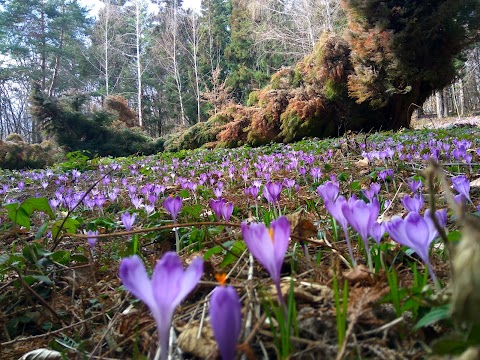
[43, 40]
[243, 71]
[402, 51]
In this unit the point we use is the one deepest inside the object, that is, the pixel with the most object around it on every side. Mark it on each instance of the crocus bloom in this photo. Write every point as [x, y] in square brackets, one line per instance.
[413, 232]
[441, 216]
[335, 209]
[216, 206]
[462, 186]
[269, 246]
[377, 231]
[173, 206]
[226, 320]
[169, 285]
[272, 191]
[128, 220]
[361, 216]
[92, 240]
[227, 210]
[328, 190]
[414, 203]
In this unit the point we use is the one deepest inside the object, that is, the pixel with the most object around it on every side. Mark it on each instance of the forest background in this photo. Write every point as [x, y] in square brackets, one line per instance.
[175, 67]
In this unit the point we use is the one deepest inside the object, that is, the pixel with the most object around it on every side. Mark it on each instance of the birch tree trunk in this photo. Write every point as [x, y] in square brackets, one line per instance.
[138, 35]
[439, 104]
[176, 71]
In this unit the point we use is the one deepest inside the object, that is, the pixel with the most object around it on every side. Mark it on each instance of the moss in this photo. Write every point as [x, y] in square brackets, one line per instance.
[297, 78]
[14, 137]
[252, 98]
[333, 90]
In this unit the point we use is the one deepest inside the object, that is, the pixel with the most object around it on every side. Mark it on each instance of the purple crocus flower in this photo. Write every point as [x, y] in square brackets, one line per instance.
[128, 220]
[414, 203]
[92, 240]
[328, 191]
[361, 216]
[227, 210]
[226, 320]
[414, 185]
[216, 206]
[335, 209]
[272, 191]
[268, 246]
[377, 231]
[462, 186]
[169, 285]
[441, 216]
[173, 205]
[413, 232]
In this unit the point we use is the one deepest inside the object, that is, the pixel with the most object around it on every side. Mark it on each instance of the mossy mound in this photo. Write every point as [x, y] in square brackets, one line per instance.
[17, 154]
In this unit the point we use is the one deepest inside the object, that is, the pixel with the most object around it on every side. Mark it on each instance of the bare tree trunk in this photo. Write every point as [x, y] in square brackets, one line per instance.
[139, 67]
[57, 65]
[175, 66]
[445, 102]
[461, 97]
[193, 41]
[105, 44]
[439, 103]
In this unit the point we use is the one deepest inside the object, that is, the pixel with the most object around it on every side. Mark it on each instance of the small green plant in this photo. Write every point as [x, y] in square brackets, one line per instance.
[287, 324]
[341, 307]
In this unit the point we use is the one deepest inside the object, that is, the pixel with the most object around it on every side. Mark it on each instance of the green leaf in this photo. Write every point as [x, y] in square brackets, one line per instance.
[355, 186]
[61, 257]
[79, 258]
[342, 177]
[41, 231]
[215, 250]
[454, 236]
[70, 226]
[37, 204]
[184, 194]
[31, 279]
[4, 258]
[237, 248]
[433, 316]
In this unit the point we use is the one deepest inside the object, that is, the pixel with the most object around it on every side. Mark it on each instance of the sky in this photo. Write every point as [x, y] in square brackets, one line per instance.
[95, 5]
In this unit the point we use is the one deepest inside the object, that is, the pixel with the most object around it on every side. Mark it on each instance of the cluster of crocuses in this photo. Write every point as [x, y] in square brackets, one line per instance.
[170, 284]
[414, 231]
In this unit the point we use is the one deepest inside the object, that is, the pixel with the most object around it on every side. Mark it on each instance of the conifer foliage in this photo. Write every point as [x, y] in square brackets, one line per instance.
[402, 51]
[72, 129]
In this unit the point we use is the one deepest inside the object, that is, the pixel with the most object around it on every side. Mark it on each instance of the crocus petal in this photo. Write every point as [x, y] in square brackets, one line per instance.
[328, 191]
[171, 283]
[281, 238]
[173, 205]
[135, 279]
[396, 230]
[335, 209]
[377, 230]
[417, 230]
[227, 210]
[261, 246]
[216, 206]
[226, 320]
[358, 216]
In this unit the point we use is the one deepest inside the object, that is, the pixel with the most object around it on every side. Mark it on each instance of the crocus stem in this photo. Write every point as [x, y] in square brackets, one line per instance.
[281, 300]
[177, 239]
[92, 265]
[369, 257]
[434, 278]
[350, 251]
[163, 338]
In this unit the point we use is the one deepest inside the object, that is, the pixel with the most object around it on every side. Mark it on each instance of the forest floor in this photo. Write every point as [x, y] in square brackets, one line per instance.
[64, 299]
